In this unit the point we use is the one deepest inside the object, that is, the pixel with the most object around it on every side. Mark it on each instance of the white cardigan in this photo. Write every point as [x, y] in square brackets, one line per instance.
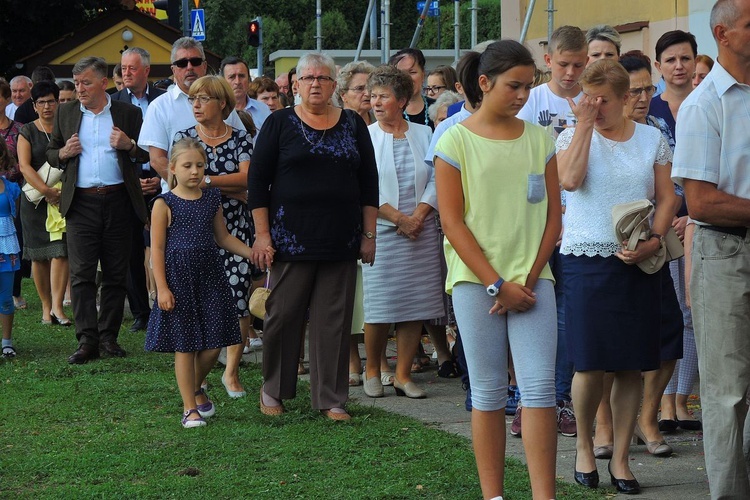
[419, 137]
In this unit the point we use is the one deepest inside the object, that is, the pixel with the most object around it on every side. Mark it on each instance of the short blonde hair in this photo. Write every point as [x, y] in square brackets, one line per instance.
[215, 86]
[606, 72]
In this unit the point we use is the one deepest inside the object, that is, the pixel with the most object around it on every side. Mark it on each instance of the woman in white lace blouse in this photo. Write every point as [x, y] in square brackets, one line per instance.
[612, 307]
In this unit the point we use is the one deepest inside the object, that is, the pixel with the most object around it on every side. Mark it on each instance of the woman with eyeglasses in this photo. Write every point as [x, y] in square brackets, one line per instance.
[351, 85]
[313, 193]
[439, 80]
[48, 256]
[676, 53]
[229, 151]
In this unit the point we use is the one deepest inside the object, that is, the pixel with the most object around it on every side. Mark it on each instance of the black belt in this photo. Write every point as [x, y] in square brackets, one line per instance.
[101, 190]
[736, 231]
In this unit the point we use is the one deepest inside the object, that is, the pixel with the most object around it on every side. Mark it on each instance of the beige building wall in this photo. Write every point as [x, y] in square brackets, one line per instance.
[640, 22]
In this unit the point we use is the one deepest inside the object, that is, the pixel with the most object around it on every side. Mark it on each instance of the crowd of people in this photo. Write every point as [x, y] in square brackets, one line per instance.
[473, 205]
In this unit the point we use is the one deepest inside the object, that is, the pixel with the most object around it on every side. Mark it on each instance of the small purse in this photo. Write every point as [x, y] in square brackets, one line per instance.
[631, 223]
[50, 175]
[258, 299]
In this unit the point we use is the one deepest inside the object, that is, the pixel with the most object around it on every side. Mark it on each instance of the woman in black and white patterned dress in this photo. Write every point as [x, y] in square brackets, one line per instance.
[228, 152]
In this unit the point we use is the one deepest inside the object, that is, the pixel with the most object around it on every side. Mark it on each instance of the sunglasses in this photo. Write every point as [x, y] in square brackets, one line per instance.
[182, 63]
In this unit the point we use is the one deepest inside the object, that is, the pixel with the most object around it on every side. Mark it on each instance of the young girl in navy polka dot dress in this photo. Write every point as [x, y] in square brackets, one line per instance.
[195, 316]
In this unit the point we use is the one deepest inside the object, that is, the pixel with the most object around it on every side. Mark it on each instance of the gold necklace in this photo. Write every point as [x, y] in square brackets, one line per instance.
[203, 131]
[611, 143]
[322, 135]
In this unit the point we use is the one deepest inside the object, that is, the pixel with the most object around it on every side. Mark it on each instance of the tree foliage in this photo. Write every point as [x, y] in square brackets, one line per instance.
[25, 26]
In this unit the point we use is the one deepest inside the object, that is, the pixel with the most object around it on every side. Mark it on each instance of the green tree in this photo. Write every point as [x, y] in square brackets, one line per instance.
[336, 30]
[488, 25]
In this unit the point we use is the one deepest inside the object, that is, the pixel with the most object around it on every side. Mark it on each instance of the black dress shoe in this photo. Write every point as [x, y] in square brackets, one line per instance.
[624, 486]
[139, 325]
[113, 349]
[690, 425]
[84, 354]
[667, 426]
[587, 479]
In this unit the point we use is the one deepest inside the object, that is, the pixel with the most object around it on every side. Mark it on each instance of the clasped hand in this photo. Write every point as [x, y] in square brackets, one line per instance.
[513, 297]
[410, 226]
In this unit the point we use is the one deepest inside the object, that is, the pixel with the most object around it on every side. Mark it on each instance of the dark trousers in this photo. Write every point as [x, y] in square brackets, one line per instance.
[137, 290]
[327, 289]
[99, 230]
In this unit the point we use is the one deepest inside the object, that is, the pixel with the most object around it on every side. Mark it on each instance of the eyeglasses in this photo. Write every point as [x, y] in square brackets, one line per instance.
[43, 103]
[357, 90]
[434, 89]
[650, 90]
[182, 63]
[308, 80]
[203, 99]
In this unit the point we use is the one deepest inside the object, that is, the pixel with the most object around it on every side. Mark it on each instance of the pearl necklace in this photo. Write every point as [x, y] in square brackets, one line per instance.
[203, 131]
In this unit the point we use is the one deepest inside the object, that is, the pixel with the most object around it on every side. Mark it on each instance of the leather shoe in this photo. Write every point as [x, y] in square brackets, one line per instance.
[656, 448]
[84, 354]
[139, 325]
[587, 479]
[113, 349]
[625, 486]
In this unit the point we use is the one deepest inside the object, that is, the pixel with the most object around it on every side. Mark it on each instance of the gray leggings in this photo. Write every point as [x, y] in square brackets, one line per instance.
[533, 342]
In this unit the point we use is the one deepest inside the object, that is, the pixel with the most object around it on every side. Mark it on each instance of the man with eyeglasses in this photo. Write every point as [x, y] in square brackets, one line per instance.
[235, 71]
[171, 112]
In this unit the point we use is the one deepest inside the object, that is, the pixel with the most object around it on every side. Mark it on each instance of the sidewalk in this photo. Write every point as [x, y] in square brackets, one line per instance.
[679, 477]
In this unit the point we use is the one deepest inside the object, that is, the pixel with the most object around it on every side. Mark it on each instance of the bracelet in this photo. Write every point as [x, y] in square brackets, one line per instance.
[656, 235]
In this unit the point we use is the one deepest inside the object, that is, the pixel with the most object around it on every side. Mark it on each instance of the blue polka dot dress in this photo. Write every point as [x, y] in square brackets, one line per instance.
[204, 316]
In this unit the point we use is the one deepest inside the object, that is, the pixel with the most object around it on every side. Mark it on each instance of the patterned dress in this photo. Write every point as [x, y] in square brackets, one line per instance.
[203, 315]
[222, 160]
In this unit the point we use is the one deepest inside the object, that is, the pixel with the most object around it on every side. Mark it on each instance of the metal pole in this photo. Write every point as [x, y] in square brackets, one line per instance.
[362, 35]
[260, 48]
[383, 57]
[457, 31]
[387, 31]
[527, 21]
[420, 24]
[186, 29]
[318, 26]
[474, 15]
[373, 29]
[550, 19]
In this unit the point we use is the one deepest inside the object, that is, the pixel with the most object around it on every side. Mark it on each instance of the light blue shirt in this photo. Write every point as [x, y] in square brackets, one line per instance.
[97, 163]
[440, 130]
[259, 110]
[712, 143]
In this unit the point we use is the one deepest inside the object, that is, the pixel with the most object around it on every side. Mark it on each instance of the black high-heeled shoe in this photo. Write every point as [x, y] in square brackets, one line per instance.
[59, 321]
[587, 479]
[624, 486]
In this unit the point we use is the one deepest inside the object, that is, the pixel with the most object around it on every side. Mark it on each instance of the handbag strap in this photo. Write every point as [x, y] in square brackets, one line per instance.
[268, 277]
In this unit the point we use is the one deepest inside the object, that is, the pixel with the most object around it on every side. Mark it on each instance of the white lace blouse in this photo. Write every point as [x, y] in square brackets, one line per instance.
[618, 172]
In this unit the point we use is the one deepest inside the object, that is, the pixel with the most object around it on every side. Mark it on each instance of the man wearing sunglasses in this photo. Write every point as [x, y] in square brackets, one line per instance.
[171, 112]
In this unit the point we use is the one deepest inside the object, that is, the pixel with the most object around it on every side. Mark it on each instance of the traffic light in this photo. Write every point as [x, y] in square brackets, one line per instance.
[254, 38]
[173, 12]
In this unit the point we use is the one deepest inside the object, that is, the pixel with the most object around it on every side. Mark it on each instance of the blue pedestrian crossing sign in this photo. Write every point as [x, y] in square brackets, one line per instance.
[198, 24]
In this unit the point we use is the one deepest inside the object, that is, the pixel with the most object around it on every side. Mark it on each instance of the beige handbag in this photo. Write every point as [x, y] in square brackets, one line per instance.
[258, 299]
[50, 175]
[631, 223]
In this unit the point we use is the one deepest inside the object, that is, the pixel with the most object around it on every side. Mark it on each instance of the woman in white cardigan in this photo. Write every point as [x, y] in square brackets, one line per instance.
[403, 287]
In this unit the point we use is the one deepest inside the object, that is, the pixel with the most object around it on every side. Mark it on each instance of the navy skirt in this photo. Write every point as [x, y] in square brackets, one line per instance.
[612, 314]
[672, 324]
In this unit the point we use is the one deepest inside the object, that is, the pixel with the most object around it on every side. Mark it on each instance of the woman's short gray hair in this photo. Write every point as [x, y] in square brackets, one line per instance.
[391, 77]
[346, 74]
[604, 33]
[316, 60]
[443, 101]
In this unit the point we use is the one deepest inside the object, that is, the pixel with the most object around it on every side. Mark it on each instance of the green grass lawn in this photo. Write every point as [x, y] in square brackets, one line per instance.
[111, 429]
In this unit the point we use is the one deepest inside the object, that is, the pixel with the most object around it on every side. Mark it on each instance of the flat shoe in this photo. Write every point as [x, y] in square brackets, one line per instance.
[47, 322]
[656, 448]
[355, 379]
[232, 394]
[386, 378]
[206, 409]
[271, 411]
[373, 387]
[190, 423]
[409, 389]
[667, 426]
[689, 425]
[603, 452]
[337, 416]
[447, 370]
